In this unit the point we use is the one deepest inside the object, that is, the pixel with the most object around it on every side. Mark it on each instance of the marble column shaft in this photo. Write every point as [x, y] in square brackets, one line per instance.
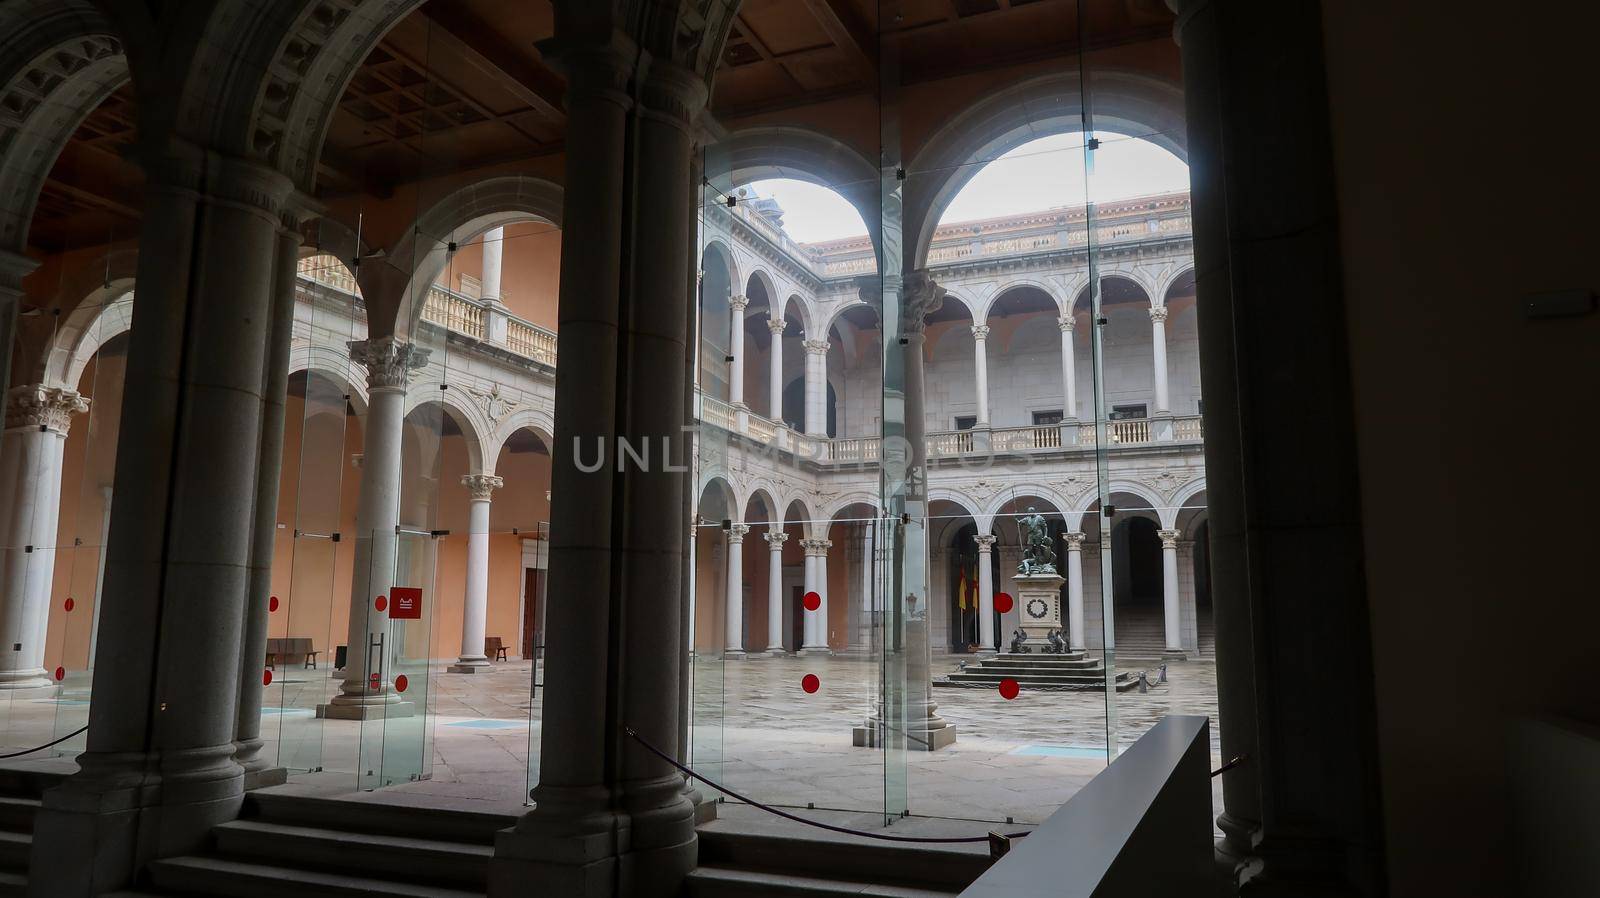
[1158, 343]
[980, 357]
[986, 631]
[736, 306]
[1169, 589]
[775, 369]
[816, 411]
[1069, 369]
[37, 419]
[475, 604]
[1075, 634]
[775, 539]
[733, 618]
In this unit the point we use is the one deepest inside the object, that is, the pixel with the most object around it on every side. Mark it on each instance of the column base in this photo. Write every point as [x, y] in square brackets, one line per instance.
[1174, 655]
[265, 777]
[470, 665]
[733, 655]
[362, 707]
[866, 735]
[770, 653]
[25, 679]
[809, 650]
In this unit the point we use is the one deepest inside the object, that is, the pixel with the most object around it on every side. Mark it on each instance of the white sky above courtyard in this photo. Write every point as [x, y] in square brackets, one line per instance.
[1042, 174]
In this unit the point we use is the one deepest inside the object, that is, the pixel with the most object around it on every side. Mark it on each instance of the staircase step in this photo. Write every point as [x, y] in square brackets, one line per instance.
[13, 883]
[906, 865]
[723, 882]
[16, 814]
[436, 824]
[239, 879]
[454, 864]
[14, 850]
[30, 779]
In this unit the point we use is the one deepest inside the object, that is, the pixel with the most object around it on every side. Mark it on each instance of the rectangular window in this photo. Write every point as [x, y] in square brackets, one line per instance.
[1042, 419]
[1129, 412]
[966, 422]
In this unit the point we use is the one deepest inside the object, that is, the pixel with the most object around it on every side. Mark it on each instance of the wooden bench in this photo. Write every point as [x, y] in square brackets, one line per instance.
[495, 648]
[289, 648]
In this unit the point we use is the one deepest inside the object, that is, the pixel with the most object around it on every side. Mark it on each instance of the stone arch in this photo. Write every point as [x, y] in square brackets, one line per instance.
[1124, 102]
[1044, 287]
[963, 501]
[801, 154]
[465, 413]
[763, 277]
[416, 259]
[725, 253]
[59, 59]
[1180, 499]
[1163, 284]
[1126, 487]
[769, 506]
[541, 422]
[967, 302]
[96, 305]
[720, 484]
[333, 362]
[808, 510]
[1013, 491]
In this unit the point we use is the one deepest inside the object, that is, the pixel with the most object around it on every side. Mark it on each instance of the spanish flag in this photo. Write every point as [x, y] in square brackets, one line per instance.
[961, 591]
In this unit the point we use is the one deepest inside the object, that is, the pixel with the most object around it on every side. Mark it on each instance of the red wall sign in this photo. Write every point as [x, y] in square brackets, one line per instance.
[405, 603]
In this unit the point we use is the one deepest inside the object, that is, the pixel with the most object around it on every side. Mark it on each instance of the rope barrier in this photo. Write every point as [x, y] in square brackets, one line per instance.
[946, 840]
[18, 754]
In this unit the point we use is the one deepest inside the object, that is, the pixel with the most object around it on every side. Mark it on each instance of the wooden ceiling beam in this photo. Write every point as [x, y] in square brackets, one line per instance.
[839, 22]
[486, 50]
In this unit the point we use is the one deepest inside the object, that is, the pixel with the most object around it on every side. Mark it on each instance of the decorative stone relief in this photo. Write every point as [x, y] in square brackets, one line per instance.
[389, 362]
[482, 485]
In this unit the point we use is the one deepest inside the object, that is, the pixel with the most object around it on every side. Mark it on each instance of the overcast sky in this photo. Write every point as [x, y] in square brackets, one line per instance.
[1040, 175]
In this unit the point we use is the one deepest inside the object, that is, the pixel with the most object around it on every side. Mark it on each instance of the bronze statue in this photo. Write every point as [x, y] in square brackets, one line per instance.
[1037, 555]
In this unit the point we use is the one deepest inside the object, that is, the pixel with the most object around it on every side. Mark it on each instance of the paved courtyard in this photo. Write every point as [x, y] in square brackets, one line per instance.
[755, 729]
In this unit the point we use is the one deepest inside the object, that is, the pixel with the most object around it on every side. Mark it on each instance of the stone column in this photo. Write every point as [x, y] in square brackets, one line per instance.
[13, 268]
[733, 619]
[816, 388]
[1169, 593]
[260, 770]
[609, 817]
[775, 541]
[1069, 370]
[37, 419]
[390, 362]
[1074, 541]
[494, 246]
[980, 355]
[475, 606]
[815, 641]
[986, 634]
[1158, 344]
[736, 306]
[158, 772]
[775, 388]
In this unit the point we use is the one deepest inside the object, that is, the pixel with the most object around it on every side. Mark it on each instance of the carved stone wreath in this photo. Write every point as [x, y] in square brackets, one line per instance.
[1039, 612]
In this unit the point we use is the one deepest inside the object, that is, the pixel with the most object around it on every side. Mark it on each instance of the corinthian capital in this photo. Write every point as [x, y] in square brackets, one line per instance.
[776, 538]
[816, 347]
[389, 362]
[36, 405]
[739, 303]
[920, 296]
[1169, 538]
[481, 485]
[777, 326]
[985, 542]
[1158, 314]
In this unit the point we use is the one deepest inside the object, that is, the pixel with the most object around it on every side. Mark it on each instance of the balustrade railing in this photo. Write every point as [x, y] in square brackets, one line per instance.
[454, 312]
[529, 340]
[1188, 429]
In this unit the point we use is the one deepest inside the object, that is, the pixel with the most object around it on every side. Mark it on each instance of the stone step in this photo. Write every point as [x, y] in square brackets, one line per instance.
[444, 863]
[225, 878]
[14, 850]
[1036, 655]
[1023, 667]
[908, 865]
[17, 814]
[723, 882]
[30, 779]
[13, 883]
[476, 827]
[1124, 683]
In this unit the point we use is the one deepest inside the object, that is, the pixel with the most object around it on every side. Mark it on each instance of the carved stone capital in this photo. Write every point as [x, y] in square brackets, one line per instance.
[920, 296]
[739, 303]
[1066, 323]
[1158, 314]
[985, 542]
[816, 547]
[980, 331]
[1074, 540]
[1169, 538]
[34, 406]
[776, 539]
[482, 485]
[737, 532]
[816, 347]
[777, 326]
[389, 362]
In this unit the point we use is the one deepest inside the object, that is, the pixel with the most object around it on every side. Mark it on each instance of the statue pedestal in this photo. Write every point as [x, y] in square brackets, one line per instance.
[1039, 605]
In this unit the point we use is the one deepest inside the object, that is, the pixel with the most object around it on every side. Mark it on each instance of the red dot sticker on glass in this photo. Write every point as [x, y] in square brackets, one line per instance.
[272, 604]
[810, 683]
[400, 683]
[266, 678]
[69, 604]
[372, 681]
[1009, 689]
[61, 673]
[380, 603]
[1002, 602]
[812, 601]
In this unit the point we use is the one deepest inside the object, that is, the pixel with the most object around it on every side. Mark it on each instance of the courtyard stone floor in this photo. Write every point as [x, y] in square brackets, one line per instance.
[755, 729]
